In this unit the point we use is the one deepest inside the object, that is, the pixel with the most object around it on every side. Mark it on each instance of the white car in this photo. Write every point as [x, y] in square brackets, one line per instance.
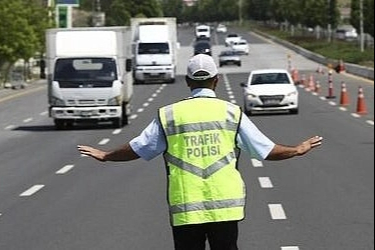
[232, 38]
[221, 28]
[270, 90]
[241, 47]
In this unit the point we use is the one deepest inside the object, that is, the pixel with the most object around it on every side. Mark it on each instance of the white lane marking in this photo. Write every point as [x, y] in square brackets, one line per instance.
[277, 212]
[32, 190]
[146, 104]
[233, 101]
[265, 182]
[323, 98]
[343, 109]
[256, 163]
[133, 117]
[289, 248]
[355, 115]
[140, 110]
[150, 99]
[332, 103]
[370, 122]
[44, 113]
[27, 120]
[154, 95]
[117, 131]
[104, 141]
[10, 127]
[65, 169]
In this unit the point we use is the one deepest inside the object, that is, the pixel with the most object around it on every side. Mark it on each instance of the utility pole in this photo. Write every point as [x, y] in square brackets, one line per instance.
[362, 35]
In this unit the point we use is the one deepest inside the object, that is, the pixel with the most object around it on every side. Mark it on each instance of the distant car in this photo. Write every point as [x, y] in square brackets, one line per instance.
[202, 47]
[203, 30]
[270, 90]
[241, 47]
[347, 33]
[221, 28]
[231, 38]
[229, 57]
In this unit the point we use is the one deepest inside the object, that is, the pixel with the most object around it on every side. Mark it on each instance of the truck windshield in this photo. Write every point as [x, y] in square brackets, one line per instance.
[93, 70]
[153, 48]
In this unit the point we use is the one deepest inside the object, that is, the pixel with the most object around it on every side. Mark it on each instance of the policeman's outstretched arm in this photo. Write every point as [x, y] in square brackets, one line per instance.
[281, 152]
[124, 153]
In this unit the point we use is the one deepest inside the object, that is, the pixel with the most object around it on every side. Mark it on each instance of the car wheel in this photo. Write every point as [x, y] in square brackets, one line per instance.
[294, 111]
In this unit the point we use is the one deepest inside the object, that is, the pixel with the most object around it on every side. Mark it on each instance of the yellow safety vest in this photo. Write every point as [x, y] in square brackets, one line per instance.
[204, 184]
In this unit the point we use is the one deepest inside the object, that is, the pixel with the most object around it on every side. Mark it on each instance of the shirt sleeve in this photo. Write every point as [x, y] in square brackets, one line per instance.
[252, 140]
[151, 142]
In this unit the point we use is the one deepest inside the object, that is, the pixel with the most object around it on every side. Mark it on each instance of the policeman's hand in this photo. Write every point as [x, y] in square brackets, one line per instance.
[92, 152]
[309, 144]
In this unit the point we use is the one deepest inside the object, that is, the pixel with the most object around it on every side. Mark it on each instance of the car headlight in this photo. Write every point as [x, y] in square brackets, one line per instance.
[116, 101]
[252, 96]
[57, 102]
[292, 93]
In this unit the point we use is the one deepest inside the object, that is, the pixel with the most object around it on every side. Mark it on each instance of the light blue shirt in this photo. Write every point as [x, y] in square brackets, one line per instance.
[152, 142]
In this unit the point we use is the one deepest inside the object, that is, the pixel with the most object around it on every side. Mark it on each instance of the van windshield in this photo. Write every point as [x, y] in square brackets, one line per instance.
[153, 48]
[94, 70]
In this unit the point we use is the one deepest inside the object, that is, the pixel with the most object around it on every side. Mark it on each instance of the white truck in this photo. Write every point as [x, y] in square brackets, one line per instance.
[154, 49]
[89, 75]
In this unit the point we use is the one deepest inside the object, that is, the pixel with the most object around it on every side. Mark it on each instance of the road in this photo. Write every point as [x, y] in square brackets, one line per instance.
[52, 198]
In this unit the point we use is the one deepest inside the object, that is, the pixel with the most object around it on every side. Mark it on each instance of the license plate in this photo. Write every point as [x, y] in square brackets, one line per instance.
[271, 102]
[86, 113]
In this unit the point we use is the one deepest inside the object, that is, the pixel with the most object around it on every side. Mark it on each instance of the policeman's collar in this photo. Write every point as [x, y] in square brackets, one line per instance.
[203, 92]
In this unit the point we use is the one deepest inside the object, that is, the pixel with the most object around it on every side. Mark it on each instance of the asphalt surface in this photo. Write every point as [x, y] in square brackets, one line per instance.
[53, 198]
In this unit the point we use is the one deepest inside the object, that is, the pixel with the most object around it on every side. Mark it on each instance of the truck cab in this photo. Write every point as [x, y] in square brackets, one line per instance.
[155, 56]
[89, 81]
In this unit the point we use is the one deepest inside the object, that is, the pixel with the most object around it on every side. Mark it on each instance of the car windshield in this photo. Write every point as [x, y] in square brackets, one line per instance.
[153, 48]
[85, 69]
[270, 78]
[233, 35]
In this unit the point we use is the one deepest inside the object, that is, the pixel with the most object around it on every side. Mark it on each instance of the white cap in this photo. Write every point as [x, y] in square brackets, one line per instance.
[201, 67]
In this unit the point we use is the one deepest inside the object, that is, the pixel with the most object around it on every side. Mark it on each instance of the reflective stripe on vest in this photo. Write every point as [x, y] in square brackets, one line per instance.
[204, 183]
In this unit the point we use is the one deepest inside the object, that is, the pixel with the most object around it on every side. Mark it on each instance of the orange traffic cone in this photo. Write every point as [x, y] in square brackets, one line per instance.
[361, 104]
[341, 66]
[311, 83]
[344, 100]
[295, 76]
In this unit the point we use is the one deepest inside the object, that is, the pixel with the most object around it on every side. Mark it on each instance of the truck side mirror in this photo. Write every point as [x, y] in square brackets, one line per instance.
[129, 65]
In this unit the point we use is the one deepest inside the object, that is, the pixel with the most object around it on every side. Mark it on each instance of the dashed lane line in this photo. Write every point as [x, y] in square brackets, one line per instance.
[256, 163]
[34, 189]
[65, 169]
[265, 182]
[290, 248]
[277, 212]
[104, 141]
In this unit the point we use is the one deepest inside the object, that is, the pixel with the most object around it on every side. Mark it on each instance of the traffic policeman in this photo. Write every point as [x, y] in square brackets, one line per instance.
[200, 138]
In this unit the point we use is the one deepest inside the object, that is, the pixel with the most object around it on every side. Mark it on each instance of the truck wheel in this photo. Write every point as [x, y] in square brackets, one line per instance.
[59, 124]
[118, 123]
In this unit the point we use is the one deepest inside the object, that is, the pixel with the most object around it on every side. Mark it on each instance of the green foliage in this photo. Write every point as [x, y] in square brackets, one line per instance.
[22, 26]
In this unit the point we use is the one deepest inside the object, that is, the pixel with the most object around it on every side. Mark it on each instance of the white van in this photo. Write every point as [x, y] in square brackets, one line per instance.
[203, 31]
